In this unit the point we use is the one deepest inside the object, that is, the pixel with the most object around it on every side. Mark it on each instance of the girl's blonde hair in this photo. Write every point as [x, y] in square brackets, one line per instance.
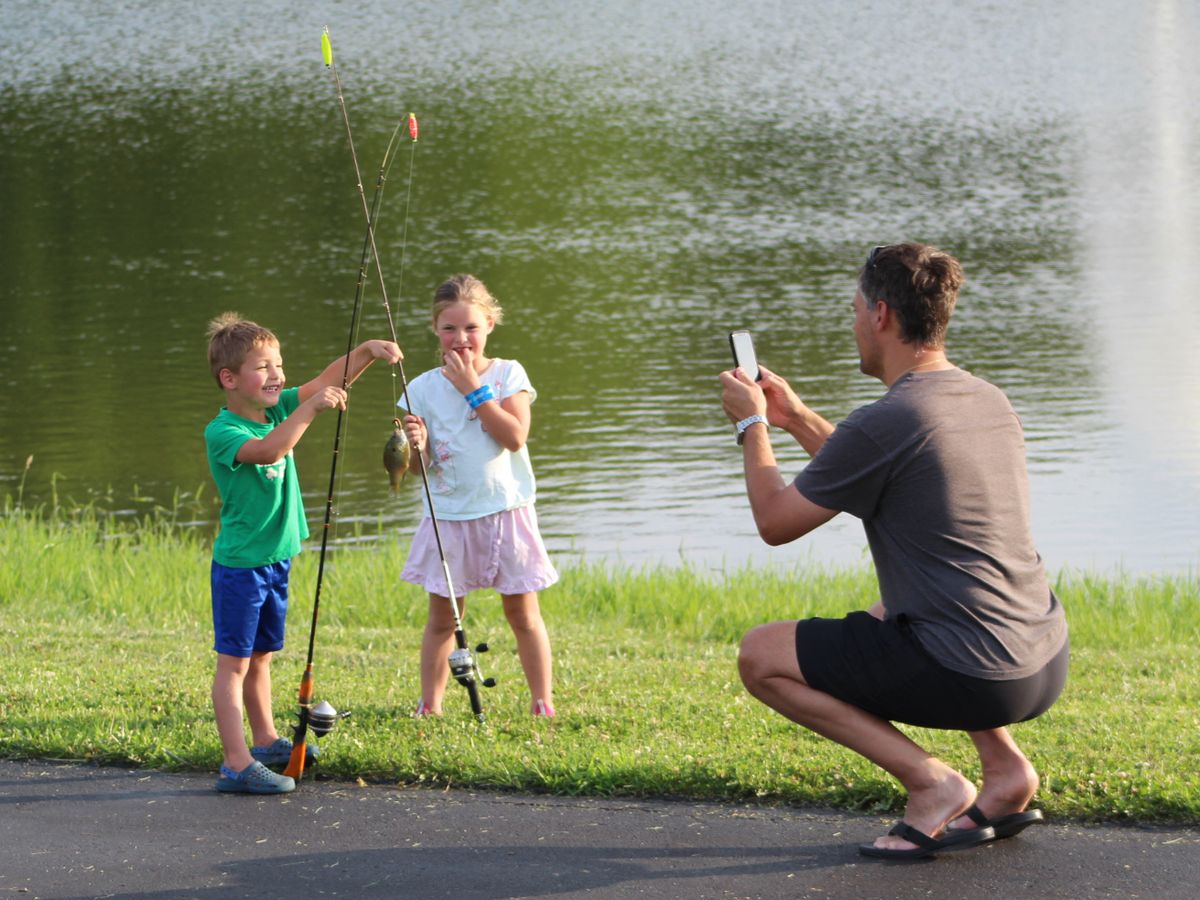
[466, 289]
[230, 340]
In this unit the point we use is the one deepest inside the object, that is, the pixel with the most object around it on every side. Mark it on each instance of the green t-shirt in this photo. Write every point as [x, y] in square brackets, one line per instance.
[262, 512]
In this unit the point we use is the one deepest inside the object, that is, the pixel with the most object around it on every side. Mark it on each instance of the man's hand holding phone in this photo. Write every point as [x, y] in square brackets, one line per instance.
[744, 357]
[744, 410]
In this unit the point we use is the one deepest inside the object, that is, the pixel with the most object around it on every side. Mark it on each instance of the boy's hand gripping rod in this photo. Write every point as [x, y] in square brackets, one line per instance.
[462, 663]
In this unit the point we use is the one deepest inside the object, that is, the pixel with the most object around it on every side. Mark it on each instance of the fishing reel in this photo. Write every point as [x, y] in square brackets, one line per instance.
[323, 717]
[464, 668]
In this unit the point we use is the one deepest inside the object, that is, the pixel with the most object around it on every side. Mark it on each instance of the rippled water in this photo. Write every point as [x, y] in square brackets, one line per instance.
[633, 180]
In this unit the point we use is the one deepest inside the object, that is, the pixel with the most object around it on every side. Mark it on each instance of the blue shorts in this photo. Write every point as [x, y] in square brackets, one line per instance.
[249, 608]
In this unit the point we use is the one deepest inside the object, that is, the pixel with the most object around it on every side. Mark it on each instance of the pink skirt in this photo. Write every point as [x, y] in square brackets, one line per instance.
[503, 551]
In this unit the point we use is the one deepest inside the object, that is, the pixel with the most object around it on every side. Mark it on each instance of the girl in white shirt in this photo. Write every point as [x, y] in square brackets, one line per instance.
[468, 424]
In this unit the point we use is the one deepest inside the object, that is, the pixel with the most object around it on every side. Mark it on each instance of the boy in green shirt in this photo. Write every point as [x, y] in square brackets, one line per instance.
[249, 447]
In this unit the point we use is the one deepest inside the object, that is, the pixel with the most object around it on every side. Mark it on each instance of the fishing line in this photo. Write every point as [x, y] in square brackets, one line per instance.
[371, 248]
[368, 246]
[414, 132]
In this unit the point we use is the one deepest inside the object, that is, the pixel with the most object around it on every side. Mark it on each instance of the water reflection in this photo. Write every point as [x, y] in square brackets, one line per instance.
[632, 182]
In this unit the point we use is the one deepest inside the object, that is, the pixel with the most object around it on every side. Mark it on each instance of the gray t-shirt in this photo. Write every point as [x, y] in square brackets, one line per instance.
[936, 471]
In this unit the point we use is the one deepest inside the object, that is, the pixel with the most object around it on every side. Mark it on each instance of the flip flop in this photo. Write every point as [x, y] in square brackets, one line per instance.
[961, 839]
[1004, 826]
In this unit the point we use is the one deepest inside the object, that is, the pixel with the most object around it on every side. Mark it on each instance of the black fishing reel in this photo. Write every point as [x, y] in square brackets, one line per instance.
[464, 669]
[323, 717]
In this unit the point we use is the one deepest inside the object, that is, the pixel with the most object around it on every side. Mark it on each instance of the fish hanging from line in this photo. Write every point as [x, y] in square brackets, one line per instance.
[397, 455]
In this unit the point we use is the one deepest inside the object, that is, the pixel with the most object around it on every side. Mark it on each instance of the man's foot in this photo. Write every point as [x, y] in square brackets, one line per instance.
[1006, 793]
[254, 779]
[1009, 784]
[280, 753]
[944, 798]
[923, 846]
[1007, 825]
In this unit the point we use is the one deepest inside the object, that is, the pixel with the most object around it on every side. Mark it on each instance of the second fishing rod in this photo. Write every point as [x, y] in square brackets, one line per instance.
[463, 663]
[319, 719]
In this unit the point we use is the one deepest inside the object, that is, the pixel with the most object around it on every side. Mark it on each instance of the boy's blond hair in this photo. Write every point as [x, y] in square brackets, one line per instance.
[230, 340]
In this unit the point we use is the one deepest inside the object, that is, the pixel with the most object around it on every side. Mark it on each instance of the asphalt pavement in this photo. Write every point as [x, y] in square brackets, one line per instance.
[71, 830]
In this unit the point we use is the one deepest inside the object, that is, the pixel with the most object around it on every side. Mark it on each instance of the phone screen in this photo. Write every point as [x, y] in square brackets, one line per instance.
[742, 345]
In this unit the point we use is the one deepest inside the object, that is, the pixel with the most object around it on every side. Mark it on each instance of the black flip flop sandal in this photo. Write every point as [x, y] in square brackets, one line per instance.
[926, 847]
[1005, 826]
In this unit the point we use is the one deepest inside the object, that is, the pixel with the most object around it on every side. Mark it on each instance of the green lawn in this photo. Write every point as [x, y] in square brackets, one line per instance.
[105, 629]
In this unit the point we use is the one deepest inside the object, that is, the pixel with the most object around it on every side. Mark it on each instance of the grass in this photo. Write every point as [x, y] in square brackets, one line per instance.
[106, 630]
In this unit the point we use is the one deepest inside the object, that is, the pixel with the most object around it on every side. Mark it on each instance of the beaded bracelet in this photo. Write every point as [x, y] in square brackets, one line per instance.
[480, 396]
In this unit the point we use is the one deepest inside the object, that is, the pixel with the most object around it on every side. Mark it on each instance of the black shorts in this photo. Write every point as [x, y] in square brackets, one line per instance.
[879, 666]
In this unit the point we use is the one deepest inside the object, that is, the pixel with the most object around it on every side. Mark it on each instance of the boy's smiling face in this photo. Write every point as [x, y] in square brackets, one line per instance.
[255, 386]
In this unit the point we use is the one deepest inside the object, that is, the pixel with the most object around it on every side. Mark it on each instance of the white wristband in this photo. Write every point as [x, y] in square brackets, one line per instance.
[746, 423]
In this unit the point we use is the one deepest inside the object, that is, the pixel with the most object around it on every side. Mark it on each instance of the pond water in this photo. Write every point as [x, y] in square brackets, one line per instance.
[633, 180]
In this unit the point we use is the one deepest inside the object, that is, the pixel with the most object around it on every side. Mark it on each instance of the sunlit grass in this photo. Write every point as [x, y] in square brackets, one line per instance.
[105, 628]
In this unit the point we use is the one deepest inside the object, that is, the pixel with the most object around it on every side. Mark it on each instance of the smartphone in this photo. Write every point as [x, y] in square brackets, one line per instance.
[742, 345]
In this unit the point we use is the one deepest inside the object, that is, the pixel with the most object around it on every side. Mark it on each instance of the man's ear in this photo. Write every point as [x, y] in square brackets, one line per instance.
[881, 315]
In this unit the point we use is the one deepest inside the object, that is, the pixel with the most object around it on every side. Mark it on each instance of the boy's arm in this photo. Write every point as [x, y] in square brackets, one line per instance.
[284, 436]
[360, 357]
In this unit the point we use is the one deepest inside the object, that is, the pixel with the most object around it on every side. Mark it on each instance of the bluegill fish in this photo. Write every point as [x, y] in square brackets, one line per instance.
[397, 455]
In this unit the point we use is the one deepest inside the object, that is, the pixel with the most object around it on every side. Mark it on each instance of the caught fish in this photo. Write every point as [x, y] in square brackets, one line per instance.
[397, 455]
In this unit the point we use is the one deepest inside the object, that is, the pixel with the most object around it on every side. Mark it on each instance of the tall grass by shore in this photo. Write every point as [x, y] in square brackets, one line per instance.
[106, 632]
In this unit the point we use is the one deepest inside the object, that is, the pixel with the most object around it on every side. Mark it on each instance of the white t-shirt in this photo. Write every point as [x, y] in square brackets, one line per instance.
[470, 474]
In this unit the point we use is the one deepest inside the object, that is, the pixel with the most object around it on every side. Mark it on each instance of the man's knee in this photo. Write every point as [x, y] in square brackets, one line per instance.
[754, 655]
[769, 651]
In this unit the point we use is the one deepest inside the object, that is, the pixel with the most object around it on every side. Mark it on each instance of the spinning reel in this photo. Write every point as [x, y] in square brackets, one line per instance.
[323, 717]
[465, 669]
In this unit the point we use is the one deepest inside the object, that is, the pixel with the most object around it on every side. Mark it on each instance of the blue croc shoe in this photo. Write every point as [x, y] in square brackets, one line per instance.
[254, 779]
[280, 753]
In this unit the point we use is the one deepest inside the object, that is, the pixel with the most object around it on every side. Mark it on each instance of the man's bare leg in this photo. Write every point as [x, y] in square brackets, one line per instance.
[937, 793]
[1009, 779]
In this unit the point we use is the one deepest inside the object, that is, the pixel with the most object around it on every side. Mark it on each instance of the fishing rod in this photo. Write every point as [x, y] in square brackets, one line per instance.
[321, 718]
[463, 664]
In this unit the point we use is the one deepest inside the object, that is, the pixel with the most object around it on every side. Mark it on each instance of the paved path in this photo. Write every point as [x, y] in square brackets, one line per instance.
[71, 830]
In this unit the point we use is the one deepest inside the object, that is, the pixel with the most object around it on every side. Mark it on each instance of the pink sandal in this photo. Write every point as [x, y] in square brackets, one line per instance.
[423, 709]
